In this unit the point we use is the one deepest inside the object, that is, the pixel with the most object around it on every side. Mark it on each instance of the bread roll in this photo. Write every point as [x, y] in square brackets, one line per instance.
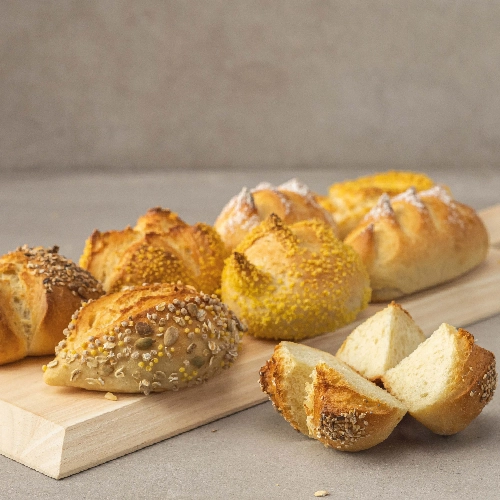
[325, 399]
[351, 200]
[294, 281]
[160, 248]
[381, 342]
[291, 202]
[146, 339]
[418, 240]
[39, 291]
[446, 381]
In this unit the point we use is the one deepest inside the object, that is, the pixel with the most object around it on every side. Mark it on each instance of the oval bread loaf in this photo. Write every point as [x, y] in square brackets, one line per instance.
[146, 339]
[418, 240]
[39, 292]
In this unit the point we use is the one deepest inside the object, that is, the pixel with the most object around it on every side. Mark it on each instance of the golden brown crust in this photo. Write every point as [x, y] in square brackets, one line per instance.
[39, 292]
[294, 281]
[351, 200]
[146, 339]
[415, 241]
[473, 384]
[291, 202]
[160, 248]
[343, 418]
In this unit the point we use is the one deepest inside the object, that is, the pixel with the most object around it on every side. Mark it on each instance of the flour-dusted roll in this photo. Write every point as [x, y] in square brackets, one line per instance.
[325, 399]
[146, 339]
[39, 292]
[446, 381]
[294, 281]
[349, 201]
[292, 201]
[160, 248]
[418, 240]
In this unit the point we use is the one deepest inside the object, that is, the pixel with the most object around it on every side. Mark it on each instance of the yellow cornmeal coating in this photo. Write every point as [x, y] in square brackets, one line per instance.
[293, 282]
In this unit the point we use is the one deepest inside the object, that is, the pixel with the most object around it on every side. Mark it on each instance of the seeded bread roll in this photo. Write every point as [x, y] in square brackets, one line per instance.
[294, 281]
[446, 381]
[418, 240]
[291, 202]
[381, 342]
[160, 248]
[39, 291]
[325, 399]
[146, 339]
[351, 200]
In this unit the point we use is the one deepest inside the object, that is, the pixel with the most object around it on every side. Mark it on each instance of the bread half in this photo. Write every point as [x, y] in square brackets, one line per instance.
[446, 381]
[381, 342]
[325, 399]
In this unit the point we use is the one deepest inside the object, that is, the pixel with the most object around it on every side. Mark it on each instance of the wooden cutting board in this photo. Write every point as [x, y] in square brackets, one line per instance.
[61, 431]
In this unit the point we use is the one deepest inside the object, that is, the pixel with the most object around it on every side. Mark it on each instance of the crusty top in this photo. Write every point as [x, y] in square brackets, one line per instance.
[160, 248]
[146, 339]
[292, 201]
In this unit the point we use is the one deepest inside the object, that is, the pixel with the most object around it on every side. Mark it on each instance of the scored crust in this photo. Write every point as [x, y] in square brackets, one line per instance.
[146, 339]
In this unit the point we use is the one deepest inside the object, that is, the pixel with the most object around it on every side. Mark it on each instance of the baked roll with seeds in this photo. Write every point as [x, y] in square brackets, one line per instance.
[418, 240]
[161, 248]
[291, 202]
[294, 281]
[39, 292]
[146, 339]
[351, 200]
[446, 381]
[325, 399]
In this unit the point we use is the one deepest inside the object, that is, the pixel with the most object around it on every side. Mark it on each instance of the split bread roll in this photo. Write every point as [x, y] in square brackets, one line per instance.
[325, 399]
[161, 248]
[418, 240]
[381, 342]
[291, 202]
[39, 292]
[349, 201]
[446, 381]
[294, 281]
[146, 339]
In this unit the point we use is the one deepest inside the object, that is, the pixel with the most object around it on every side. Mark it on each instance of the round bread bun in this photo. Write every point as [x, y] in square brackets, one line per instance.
[39, 291]
[150, 338]
[291, 201]
[294, 281]
[160, 248]
[351, 200]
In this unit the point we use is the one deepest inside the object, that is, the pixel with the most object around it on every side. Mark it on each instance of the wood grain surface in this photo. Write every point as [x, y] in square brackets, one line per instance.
[61, 431]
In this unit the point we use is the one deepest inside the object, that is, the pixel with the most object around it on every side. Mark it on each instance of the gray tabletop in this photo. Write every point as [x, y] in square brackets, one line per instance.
[252, 454]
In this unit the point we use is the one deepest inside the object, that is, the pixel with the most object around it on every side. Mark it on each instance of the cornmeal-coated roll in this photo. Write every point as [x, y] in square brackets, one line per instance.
[146, 339]
[417, 240]
[294, 281]
[160, 248]
[39, 292]
[291, 202]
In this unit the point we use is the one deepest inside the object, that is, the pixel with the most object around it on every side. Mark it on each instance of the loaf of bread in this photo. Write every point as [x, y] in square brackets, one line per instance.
[325, 399]
[351, 200]
[446, 381]
[39, 292]
[294, 281]
[161, 248]
[146, 339]
[381, 342]
[418, 240]
[291, 202]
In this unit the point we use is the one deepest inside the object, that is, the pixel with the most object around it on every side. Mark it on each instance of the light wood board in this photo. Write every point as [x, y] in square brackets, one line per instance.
[61, 431]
